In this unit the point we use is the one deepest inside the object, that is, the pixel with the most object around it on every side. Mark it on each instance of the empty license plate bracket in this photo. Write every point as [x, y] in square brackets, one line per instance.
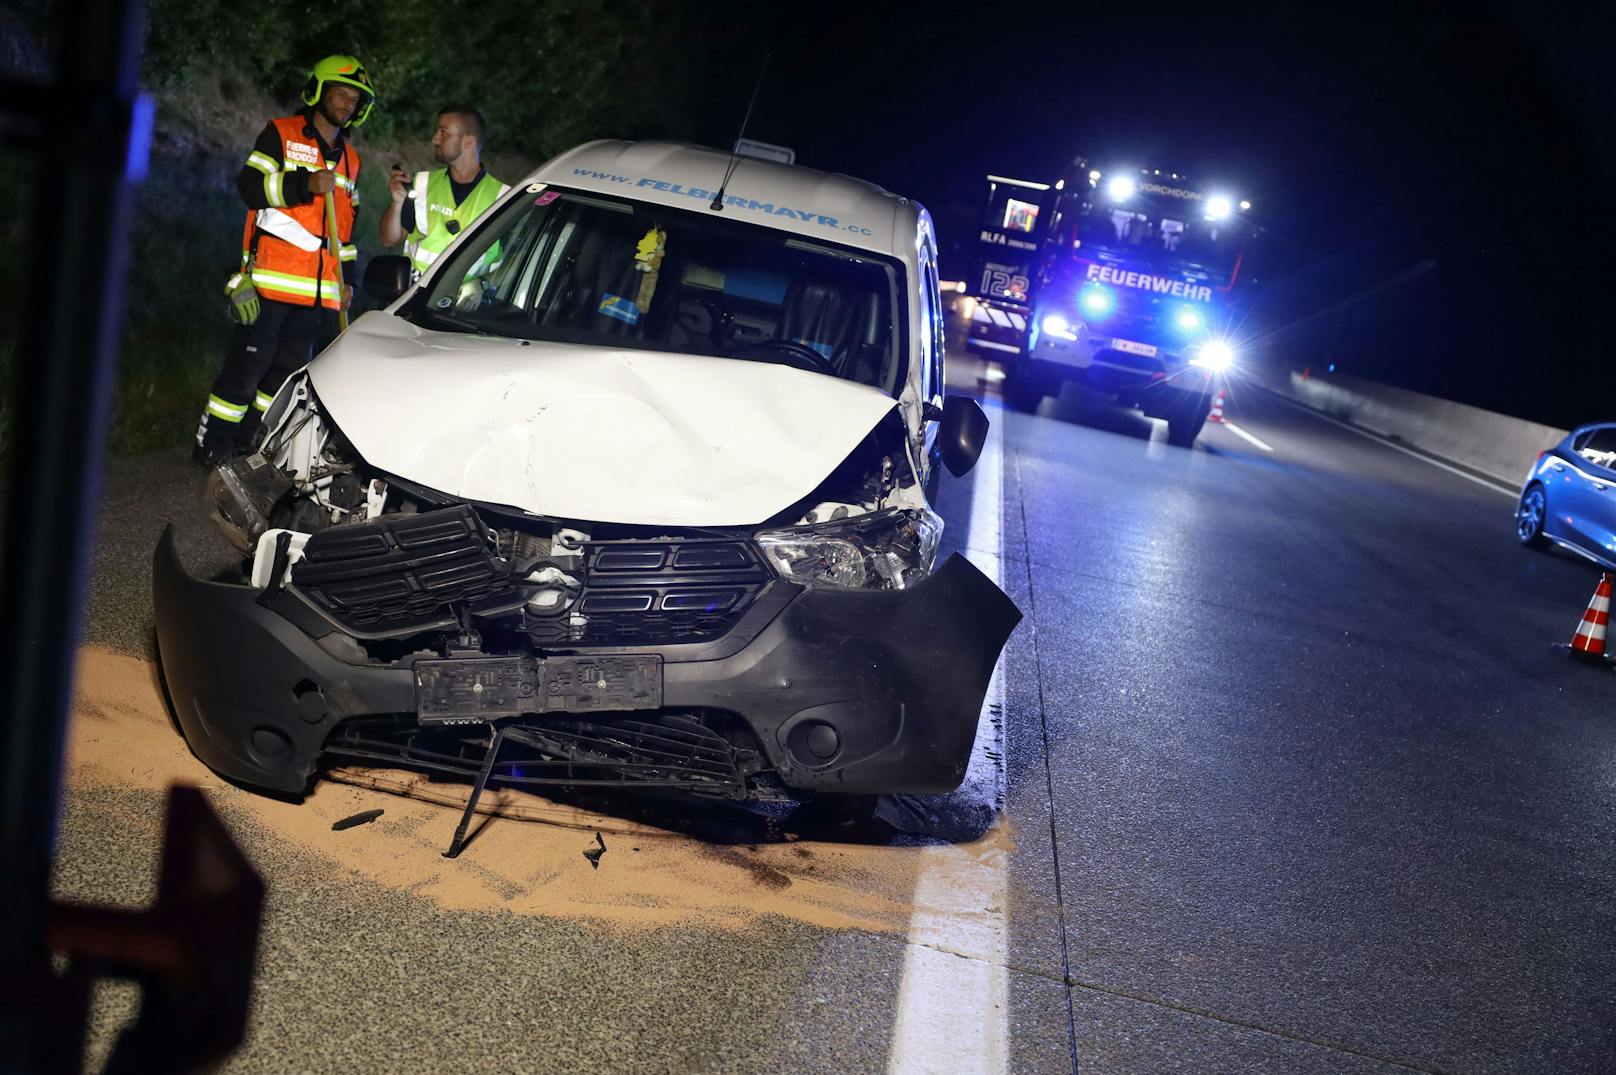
[480, 689]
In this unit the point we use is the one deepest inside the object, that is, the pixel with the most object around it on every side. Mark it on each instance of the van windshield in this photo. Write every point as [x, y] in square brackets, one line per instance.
[587, 268]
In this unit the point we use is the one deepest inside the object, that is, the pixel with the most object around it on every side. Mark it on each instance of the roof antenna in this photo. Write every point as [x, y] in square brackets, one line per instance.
[717, 205]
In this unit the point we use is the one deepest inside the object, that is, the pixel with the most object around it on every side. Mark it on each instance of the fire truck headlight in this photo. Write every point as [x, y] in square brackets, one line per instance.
[1121, 188]
[1189, 320]
[1216, 356]
[1058, 326]
[1097, 301]
[1218, 207]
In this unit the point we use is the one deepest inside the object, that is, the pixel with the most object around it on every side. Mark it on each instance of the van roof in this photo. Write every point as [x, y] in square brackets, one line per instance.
[824, 205]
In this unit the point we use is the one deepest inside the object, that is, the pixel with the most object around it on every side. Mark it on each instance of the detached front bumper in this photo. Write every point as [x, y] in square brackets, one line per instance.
[897, 678]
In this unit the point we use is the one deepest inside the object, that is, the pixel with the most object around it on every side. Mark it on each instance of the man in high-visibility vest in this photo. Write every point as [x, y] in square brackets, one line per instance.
[431, 208]
[285, 297]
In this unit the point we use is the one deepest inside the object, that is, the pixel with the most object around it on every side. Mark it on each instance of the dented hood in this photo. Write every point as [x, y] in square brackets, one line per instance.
[589, 433]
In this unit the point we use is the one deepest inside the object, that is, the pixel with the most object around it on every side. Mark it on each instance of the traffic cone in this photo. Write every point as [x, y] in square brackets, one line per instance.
[1217, 408]
[1589, 641]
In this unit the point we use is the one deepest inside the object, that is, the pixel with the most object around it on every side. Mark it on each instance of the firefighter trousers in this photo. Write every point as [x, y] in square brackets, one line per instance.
[261, 356]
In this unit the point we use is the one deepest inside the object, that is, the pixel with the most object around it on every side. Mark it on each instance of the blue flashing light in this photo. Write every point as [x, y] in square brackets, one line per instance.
[1097, 301]
[1189, 320]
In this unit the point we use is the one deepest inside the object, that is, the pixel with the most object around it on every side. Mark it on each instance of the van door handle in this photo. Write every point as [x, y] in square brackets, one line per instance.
[1600, 487]
[1559, 468]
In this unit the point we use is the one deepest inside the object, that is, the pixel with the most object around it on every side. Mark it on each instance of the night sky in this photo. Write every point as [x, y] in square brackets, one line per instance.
[1432, 186]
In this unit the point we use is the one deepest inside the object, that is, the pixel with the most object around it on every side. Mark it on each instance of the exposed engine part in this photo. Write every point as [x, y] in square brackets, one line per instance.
[326, 475]
[555, 590]
[567, 551]
[522, 549]
[375, 498]
[832, 512]
[264, 558]
[345, 491]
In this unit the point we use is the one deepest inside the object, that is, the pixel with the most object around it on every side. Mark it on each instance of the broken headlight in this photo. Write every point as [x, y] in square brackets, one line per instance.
[885, 550]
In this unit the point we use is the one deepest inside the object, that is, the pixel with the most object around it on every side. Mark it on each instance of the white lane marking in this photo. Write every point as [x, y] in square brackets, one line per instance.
[954, 1000]
[1422, 457]
[1241, 433]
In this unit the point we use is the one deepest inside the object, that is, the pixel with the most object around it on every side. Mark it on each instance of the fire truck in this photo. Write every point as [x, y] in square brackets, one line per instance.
[1127, 281]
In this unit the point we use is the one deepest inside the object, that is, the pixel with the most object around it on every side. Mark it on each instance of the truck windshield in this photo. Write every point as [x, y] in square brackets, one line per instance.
[586, 268]
[1172, 237]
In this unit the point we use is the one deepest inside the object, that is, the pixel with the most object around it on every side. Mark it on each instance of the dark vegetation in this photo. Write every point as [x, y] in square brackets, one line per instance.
[547, 74]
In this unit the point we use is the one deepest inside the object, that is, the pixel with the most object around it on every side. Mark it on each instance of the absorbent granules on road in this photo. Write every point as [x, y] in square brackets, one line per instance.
[524, 857]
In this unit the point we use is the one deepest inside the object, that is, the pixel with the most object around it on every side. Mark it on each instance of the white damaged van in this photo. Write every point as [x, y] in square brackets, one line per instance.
[631, 489]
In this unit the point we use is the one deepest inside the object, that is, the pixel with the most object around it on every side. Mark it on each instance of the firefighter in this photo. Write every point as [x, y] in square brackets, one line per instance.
[285, 297]
[431, 208]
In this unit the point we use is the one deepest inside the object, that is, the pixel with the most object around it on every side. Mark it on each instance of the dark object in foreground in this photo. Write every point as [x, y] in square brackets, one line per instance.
[593, 854]
[192, 951]
[364, 817]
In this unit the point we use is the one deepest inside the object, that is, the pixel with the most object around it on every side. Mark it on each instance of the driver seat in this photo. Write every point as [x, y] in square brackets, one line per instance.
[819, 316]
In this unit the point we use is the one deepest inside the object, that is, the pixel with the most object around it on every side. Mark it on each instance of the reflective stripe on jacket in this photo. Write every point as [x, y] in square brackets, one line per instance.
[292, 261]
[433, 197]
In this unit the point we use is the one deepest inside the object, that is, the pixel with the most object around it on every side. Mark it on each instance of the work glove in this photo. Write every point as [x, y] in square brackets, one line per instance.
[243, 299]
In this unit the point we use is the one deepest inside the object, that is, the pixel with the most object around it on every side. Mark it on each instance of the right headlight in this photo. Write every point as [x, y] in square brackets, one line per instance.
[885, 550]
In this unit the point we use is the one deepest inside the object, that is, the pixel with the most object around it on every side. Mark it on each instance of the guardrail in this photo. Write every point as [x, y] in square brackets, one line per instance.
[1487, 442]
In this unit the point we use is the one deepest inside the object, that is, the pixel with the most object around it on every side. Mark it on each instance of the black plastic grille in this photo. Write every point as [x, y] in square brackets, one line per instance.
[656, 593]
[710, 755]
[402, 572]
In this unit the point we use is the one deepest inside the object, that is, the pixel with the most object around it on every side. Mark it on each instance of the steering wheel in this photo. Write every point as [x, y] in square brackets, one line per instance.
[793, 353]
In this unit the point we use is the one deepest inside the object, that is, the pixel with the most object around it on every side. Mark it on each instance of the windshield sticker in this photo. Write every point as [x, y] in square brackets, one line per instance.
[619, 307]
[1144, 281]
[751, 205]
[547, 197]
[534, 188]
[648, 260]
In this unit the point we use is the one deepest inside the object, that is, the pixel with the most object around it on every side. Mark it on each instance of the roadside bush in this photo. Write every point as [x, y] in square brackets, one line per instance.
[548, 74]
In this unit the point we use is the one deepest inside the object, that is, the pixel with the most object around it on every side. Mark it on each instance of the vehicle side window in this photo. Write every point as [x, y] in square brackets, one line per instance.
[1599, 447]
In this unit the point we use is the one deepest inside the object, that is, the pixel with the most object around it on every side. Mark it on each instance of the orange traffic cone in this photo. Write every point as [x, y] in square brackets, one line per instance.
[1589, 641]
[1217, 408]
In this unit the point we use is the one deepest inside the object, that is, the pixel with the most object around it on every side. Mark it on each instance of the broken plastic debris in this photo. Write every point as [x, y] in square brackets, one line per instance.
[362, 818]
[593, 853]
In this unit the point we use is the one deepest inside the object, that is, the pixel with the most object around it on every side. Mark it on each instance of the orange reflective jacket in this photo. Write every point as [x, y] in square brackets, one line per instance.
[287, 245]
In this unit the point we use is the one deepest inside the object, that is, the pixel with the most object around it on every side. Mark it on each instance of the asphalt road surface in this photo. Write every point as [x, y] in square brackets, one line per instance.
[1281, 773]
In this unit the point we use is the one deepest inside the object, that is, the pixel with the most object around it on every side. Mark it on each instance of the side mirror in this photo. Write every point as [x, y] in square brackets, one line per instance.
[387, 277]
[963, 432]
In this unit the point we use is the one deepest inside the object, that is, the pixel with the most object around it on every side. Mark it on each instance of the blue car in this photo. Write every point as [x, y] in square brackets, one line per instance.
[1569, 496]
